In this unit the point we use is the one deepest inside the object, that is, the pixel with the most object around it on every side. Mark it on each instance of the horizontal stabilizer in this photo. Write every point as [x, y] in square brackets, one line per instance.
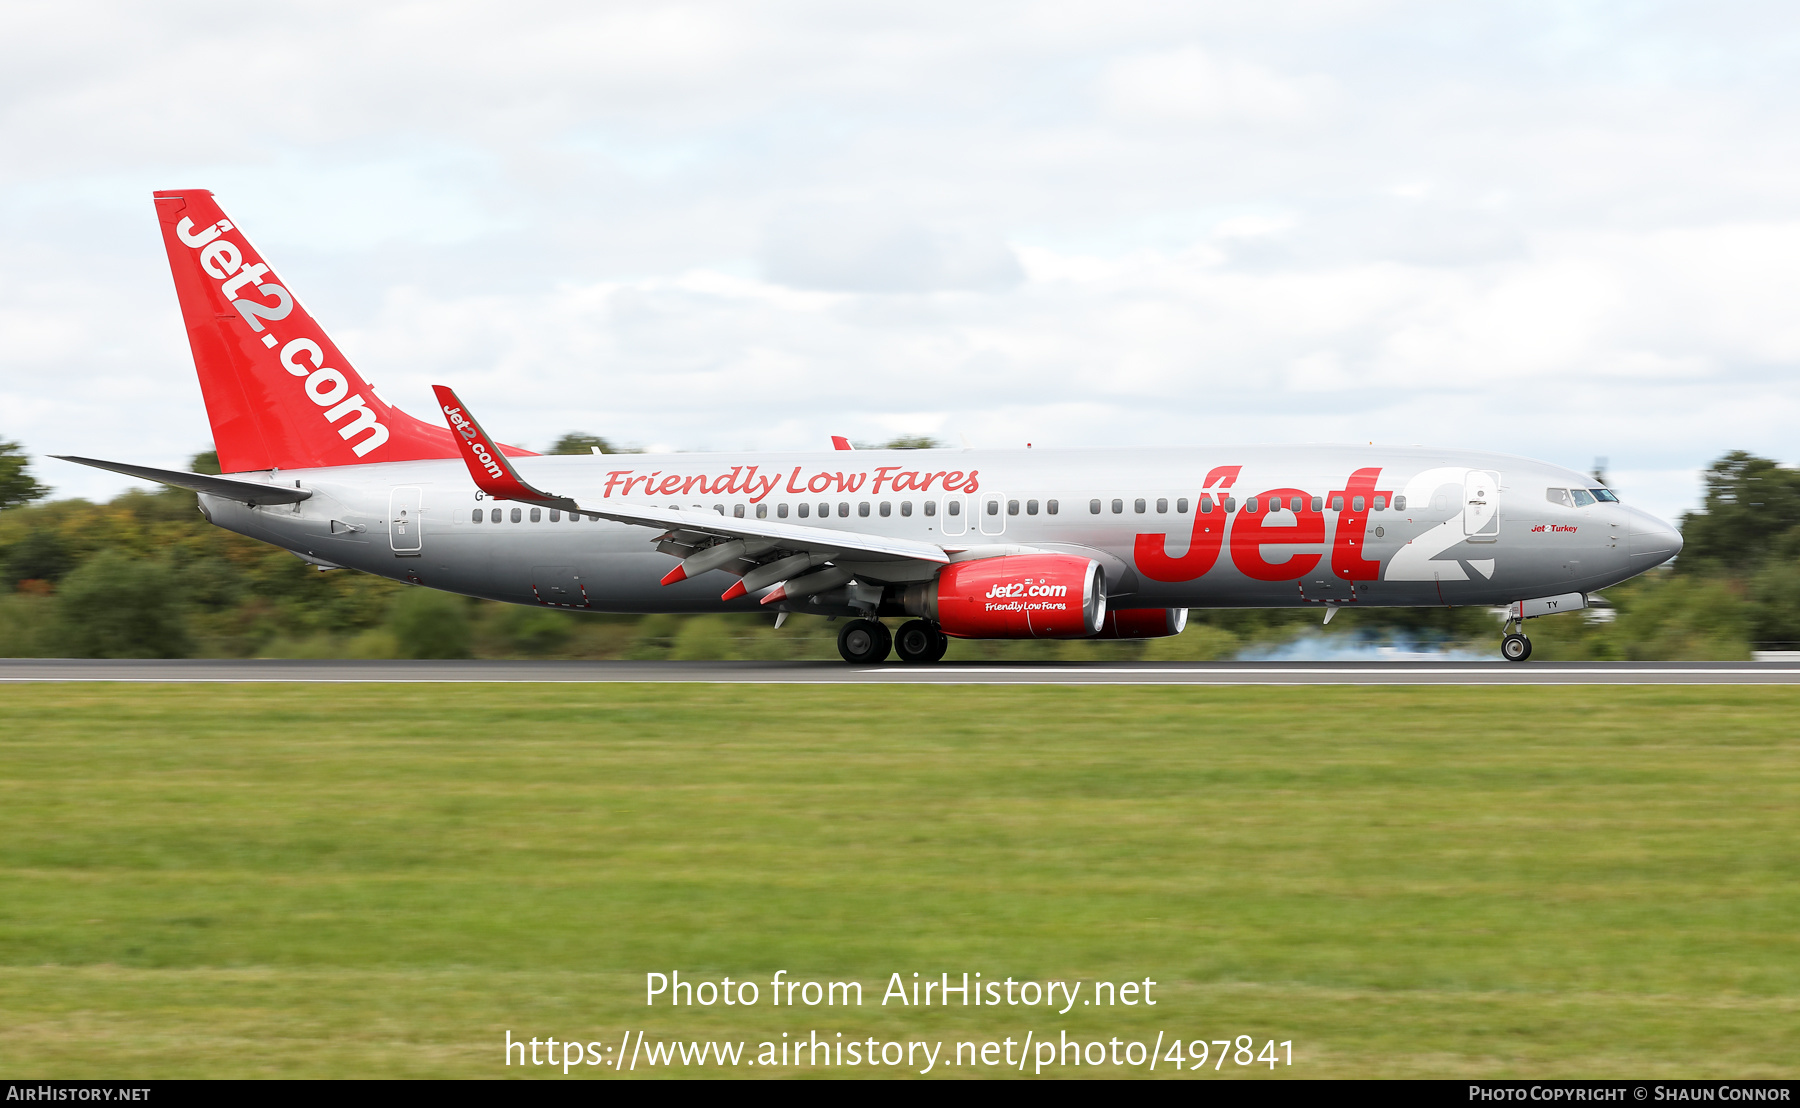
[248, 492]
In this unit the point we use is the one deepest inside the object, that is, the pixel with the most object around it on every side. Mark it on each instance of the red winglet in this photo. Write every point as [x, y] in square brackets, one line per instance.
[839, 442]
[492, 471]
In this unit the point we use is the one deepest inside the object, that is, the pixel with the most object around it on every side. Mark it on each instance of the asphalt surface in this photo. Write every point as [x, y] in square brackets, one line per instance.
[14, 670]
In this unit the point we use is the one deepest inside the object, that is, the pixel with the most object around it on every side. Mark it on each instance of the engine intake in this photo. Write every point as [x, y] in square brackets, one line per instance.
[1018, 596]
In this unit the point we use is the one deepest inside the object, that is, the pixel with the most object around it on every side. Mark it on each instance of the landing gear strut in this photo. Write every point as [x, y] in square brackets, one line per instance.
[863, 642]
[1515, 647]
[919, 642]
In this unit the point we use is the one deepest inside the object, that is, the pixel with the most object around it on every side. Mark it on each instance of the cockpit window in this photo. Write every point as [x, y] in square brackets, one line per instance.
[1583, 498]
[1605, 496]
[1559, 496]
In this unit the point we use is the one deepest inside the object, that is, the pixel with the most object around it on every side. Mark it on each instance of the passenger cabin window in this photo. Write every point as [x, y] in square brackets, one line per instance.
[1356, 503]
[1012, 507]
[555, 516]
[1381, 503]
[993, 507]
[1206, 505]
[1162, 504]
[1050, 506]
[1319, 504]
[1230, 503]
[1294, 504]
[475, 516]
[1583, 498]
[1554, 496]
[762, 511]
[805, 510]
[737, 511]
[1181, 505]
[1031, 507]
[1250, 505]
[862, 509]
[887, 508]
[824, 509]
[1605, 496]
[1399, 503]
[495, 516]
[1094, 507]
[537, 515]
[1138, 505]
[781, 511]
[954, 507]
[906, 507]
[930, 508]
[1337, 503]
[1118, 507]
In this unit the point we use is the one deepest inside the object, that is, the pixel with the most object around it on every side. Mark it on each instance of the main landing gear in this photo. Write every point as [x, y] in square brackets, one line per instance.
[919, 642]
[863, 642]
[1515, 647]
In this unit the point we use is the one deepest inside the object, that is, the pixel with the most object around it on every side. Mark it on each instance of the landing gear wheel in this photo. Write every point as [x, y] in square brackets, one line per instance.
[1515, 647]
[863, 642]
[918, 642]
[943, 644]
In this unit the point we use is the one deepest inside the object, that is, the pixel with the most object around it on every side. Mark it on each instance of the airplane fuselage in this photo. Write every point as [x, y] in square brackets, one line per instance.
[1207, 527]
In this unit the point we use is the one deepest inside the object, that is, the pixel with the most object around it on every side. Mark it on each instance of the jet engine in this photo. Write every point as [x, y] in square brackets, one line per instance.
[1018, 596]
[1143, 623]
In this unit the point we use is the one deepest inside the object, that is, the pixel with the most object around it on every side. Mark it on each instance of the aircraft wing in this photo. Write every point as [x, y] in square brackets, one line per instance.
[249, 492]
[685, 529]
[787, 536]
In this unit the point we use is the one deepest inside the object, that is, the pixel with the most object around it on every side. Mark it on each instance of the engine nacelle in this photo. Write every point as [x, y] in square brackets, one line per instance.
[1143, 623]
[1019, 596]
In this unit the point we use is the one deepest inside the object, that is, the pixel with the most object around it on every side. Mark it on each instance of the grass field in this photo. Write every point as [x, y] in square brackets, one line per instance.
[383, 880]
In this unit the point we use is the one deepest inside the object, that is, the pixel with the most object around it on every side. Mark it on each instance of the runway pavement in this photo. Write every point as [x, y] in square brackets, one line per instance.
[14, 670]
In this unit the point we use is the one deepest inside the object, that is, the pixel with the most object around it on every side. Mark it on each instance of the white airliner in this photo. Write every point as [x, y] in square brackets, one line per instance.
[968, 543]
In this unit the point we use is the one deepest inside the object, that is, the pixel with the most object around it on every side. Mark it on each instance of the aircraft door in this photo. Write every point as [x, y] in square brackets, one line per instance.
[406, 531]
[558, 586]
[954, 521]
[1481, 505]
[993, 513]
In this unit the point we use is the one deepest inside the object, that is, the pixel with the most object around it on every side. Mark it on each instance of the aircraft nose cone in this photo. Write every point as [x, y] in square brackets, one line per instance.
[1652, 541]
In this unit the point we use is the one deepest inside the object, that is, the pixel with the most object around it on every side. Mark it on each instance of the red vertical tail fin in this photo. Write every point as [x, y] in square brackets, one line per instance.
[278, 391]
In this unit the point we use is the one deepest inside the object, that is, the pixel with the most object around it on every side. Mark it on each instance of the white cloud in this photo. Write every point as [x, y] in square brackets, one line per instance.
[712, 224]
[1191, 85]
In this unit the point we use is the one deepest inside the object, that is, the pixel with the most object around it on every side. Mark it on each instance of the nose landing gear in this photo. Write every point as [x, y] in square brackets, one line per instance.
[920, 643]
[1515, 647]
[864, 642]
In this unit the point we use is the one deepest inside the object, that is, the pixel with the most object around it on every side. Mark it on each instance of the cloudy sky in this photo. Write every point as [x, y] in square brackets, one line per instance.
[1565, 230]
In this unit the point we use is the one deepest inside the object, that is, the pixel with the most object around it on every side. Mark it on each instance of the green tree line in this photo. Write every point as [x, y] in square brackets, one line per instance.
[145, 576]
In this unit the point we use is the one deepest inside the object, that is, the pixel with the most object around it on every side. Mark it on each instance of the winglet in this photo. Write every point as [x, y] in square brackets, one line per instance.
[839, 442]
[492, 470]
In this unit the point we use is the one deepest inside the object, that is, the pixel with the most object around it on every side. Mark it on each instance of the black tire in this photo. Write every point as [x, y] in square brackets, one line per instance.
[943, 644]
[1515, 647]
[918, 642]
[864, 642]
